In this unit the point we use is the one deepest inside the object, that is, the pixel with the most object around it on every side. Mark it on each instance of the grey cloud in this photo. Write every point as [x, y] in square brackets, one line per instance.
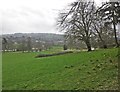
[26, 20]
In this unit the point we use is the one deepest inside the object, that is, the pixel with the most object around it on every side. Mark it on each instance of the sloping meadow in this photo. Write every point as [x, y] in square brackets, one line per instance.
[73, 71]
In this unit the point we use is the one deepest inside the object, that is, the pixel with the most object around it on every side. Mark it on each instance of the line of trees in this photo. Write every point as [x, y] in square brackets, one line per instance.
[9, 44]
[83, 21]
[25, 44]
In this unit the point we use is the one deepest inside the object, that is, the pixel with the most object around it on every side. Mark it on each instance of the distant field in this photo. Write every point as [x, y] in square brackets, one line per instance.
[79, 70]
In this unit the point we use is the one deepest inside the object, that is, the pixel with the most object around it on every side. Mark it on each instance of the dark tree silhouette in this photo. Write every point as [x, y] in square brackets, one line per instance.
[98, 26]
[65, 47]
[77, 21]
[4, 44]
[110, 12]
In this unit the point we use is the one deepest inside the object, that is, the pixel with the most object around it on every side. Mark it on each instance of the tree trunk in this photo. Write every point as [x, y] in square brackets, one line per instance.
[114, 25]
[104, 46]
[117, 44]
[88, 44]
[89, 47]
[103, 42]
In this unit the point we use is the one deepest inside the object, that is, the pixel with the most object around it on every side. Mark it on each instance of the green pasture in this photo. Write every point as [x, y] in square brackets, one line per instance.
[74, 71]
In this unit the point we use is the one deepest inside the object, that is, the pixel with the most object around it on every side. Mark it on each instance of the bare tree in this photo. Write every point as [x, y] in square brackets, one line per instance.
[99, 27]
[4, 44]
[77, 21]
[111, 13]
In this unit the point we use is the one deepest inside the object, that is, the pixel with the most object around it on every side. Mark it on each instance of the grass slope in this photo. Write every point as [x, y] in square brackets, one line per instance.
[83, 70]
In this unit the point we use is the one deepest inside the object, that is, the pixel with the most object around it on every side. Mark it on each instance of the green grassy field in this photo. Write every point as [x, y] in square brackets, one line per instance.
[79, 70]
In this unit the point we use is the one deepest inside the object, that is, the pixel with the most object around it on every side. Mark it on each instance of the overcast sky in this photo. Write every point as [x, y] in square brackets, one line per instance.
[31, 16]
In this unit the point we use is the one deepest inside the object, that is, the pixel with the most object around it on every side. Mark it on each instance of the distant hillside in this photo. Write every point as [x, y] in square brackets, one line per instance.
[41, 36]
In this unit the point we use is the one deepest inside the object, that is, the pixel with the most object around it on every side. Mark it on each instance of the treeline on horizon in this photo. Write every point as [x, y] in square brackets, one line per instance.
[30, 41]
